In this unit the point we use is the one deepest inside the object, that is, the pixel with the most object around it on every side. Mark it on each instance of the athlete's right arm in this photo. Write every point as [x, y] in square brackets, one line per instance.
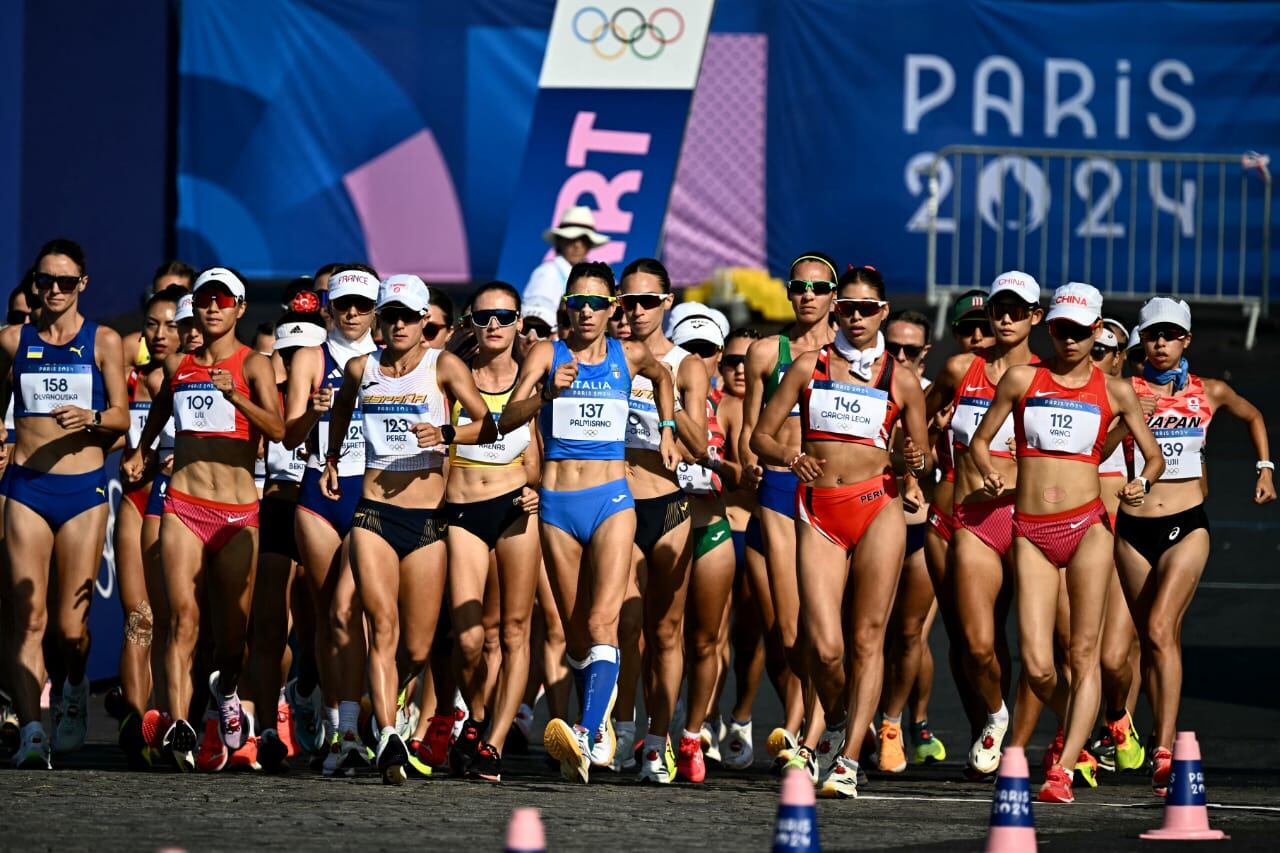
[764, 441]
[760, 358]
[1013, 385]
[301, 412]
[525, 399]
[157, 416]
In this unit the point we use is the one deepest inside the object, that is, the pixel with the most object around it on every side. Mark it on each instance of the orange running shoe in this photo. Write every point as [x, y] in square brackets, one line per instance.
[1057, 786]
[212, 756]
[690, 764]
[1053, 752]
[1161, 767]
[284, 728]
[893, 757]
[246, 757]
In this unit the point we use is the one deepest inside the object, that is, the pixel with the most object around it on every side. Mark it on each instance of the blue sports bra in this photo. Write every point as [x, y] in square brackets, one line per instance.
[47, 376]
[589, 419]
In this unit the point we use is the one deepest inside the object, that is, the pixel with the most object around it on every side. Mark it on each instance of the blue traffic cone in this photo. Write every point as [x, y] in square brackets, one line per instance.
[1012, 827]
[797, 829]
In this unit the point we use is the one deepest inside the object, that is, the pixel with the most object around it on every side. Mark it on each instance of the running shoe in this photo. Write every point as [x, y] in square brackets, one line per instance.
[690, 765]
[407, 717]
[1104, 748]
[1129, 754]
[624, 756]
[273, 752]
[571, 747]
[392, 757]
[1161, 767]
[984, 757]
[927, 747]
[308, 721]
[346, 755]
[113, 702]
[231, 718]
[463, 750]
[518, 738]
[246, 757]
[129, 736]
[286, 730]
[737, 750]
[604, 743]
[893, 756]
[416, 762]
[180, 744]
[830, 745]
[709, 737]
[657, 767]
[1087, 767]
[155, 724]
[1053, 752]
[804, 759]
[436, 743]
[780, 745]
[842, 781]
[33, 749]
[213, 754]
[73, 719]
[487, 765]
[1056, 787]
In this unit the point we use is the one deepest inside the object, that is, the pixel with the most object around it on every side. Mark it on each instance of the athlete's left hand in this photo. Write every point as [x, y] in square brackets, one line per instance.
[667, 447]
[1012, 444]
[1265, 491]
[222, 381]
[528, 500]
[912, 455]
[429, 435]
[912, 496]
[1133, 493]
[73, 417]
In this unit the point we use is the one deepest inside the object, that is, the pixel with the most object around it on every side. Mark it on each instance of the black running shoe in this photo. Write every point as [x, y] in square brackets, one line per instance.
[180, 743]
[487, 764]
[1104, 749]
[115, 705]
[463, 751]
[273, 755]
[393, 755]
[132, 743]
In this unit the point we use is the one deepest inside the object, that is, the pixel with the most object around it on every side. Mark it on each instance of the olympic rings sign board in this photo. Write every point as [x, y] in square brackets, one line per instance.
[628, 45]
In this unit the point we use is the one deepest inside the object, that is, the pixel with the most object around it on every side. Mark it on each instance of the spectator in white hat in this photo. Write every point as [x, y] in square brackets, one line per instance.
[573, 238]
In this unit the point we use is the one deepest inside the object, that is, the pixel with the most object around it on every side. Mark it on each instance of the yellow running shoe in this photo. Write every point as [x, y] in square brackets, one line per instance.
[928, 747]
[1087, 768]
[1129, 752]
[571, 748]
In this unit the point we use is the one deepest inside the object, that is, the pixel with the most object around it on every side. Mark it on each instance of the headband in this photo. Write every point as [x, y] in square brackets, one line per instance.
[835, 276]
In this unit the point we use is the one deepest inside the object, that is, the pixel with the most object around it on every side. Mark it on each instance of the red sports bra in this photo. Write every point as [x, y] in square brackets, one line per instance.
[1057, 422]
[832, 410]
[200, 410]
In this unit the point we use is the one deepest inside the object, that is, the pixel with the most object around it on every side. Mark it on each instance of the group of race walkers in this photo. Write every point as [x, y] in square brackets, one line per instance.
[376, 538]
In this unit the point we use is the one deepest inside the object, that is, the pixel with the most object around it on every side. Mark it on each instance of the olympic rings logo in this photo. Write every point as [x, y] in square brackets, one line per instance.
[628, 27]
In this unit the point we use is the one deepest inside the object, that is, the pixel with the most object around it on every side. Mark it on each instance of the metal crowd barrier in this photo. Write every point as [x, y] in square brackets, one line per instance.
[1134, 224]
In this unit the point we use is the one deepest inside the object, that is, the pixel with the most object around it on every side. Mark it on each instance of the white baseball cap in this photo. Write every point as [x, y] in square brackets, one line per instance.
[1135, 339]
[186, 310]
[1019, 284]
[407, 290]
[353, 283]
[540, 309]
[1162, 309]
[689, 309]
[1113, 334]
[222, 276]
[299, 334]
[697, 327]
[1078, 302]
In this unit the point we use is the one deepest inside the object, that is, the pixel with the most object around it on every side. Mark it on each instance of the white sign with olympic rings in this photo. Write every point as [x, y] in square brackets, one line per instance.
[630, 44]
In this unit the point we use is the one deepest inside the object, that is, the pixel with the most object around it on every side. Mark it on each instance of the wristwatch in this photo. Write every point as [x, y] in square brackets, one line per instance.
[97, 418]
[1146, 484]
[1265, 465]
[448, 432]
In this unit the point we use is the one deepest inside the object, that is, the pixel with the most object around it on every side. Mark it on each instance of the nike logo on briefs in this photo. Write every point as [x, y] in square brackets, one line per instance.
[619, 499]
[1077, 524]
[236, 519]
[1045, 393]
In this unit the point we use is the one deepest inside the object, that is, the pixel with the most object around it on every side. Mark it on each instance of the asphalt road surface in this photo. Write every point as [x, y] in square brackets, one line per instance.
[1231, 699]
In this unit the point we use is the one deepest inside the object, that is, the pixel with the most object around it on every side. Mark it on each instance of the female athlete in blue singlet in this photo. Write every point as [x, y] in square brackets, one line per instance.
[70, 404]
[587, 512]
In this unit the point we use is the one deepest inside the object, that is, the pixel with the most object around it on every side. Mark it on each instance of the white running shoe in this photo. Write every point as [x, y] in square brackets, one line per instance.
[842, 781]
[392, 757]
[710, 738]
[604, 745]
[407, 718]
[571, 747]
[33, 749]
[985, 754]
[830, 745]
[781, 744]
[624, 756]
[658, 766]
[737, 752]
[346, 755]
[73, 718]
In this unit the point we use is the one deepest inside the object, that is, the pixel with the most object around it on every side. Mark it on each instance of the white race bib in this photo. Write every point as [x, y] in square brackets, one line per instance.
[585, 418]
[697, 479]
[351, 458]
[1183, 451]
[1060, 426]
[968, 416]
[200, 407]
[388, 429]
[284, 464]
[138, 412]
[846, 409]
[52, 385]
[505, 450]
[642, 426]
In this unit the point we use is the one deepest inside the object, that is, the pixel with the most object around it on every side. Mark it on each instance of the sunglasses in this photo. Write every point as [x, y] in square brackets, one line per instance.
[797, 287]
[732, 362]
[392, 314]
[897, 350]
[647, 301]
[1065, 330]
[353, 303]
[1101, 351]
[859, 307]
[1168, 333]
[967, 328]
[537, 329]
[504, 316]
[64, 283]
[702, 349]
[1015, 311]
[592, 301]
[221, 298]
